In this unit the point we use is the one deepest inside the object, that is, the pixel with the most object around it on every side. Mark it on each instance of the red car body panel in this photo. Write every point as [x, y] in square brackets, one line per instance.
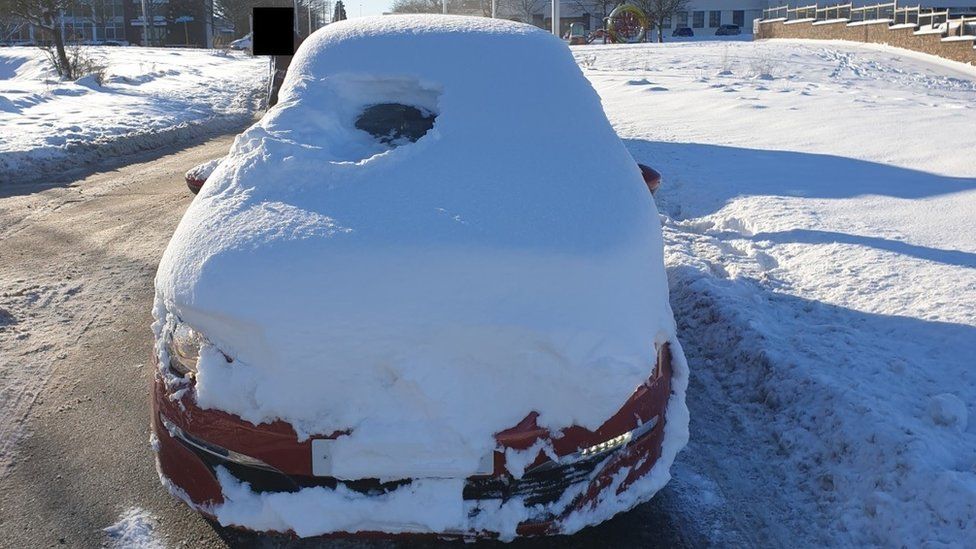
[277, 444]
[195, 184]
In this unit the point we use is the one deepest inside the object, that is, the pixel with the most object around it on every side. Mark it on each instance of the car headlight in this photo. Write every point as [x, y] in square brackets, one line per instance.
[184, 349]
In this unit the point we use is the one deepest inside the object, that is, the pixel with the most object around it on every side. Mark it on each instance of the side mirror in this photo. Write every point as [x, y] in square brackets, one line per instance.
[652, 178]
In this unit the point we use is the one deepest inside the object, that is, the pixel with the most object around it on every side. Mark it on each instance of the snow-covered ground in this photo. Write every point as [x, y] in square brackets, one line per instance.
[819, 207]
[149, 97]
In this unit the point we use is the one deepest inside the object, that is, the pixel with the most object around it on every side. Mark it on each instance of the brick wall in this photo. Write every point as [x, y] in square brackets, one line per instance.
[877, 33]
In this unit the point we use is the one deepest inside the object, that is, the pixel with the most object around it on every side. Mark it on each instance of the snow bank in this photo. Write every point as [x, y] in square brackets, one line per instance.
[823, 274]
[425, 295]
[150, 98]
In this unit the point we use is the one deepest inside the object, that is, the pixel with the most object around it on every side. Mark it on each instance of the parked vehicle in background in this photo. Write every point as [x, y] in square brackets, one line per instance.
[242, 43]
[728, 30]
[683, 32]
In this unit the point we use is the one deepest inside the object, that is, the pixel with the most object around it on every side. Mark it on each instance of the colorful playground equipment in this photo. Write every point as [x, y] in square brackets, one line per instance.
[626, 24]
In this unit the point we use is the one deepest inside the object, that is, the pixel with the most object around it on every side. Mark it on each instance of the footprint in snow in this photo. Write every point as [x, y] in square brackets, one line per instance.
[641, 82]
[657, 89]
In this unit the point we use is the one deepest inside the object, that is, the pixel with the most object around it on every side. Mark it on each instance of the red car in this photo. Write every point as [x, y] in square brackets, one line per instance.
[404, 305]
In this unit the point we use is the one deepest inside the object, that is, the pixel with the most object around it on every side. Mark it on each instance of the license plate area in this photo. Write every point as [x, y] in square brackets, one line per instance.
[330, 458]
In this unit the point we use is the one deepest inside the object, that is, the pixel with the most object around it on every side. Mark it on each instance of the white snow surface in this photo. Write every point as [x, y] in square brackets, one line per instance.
[135, 529]
[425, 296]
[818, 204]
[150, 97]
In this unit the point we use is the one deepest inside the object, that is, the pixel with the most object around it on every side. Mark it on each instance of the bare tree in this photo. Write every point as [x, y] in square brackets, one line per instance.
[467, 7]
[9, 25]
[238, 12]
[523, 10]
[417, 6]
[45, 14]
[598, 8]
[657, 11]
[99, 12]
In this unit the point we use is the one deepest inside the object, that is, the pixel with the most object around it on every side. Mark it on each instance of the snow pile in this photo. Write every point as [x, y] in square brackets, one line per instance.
[149, 98]
[136, 529]
[820, 248]
[424, 295]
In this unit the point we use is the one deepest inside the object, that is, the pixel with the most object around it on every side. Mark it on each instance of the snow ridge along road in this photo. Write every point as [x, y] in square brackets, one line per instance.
[148, 98]
[818, 202]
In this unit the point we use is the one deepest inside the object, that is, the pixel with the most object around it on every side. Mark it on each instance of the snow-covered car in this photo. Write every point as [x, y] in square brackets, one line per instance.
[406, 302]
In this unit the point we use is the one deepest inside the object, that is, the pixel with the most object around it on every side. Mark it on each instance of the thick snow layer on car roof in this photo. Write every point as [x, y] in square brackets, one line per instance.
[427, 295]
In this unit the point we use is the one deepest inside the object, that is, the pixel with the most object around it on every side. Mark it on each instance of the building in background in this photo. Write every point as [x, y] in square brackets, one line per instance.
[174, 23]
[703, 17]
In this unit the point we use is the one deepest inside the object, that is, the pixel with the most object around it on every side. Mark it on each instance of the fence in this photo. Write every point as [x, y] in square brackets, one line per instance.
[890, 11]
[966, 27]
[775, 13]
[877, 12]
[933, 18]
[802, 12]
[838, 11]
[906, 16]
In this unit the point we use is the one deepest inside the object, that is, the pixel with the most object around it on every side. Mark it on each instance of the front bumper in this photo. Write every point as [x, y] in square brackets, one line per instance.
[193, 444]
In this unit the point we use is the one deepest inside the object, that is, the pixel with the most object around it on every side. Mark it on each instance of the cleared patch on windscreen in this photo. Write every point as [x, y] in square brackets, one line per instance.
[394, 123]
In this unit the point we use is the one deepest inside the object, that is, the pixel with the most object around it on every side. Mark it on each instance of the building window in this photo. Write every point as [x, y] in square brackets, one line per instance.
[739, 18]
[667, 22]
[115, 32]
[698, 19]
[682, 19]
[714, 19]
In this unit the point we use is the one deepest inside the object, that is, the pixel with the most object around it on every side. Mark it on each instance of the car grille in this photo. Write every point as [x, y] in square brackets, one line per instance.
[536, 487]
[542, 485]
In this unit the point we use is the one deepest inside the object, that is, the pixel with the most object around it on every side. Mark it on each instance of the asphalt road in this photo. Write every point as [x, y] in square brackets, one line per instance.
[77, 260]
